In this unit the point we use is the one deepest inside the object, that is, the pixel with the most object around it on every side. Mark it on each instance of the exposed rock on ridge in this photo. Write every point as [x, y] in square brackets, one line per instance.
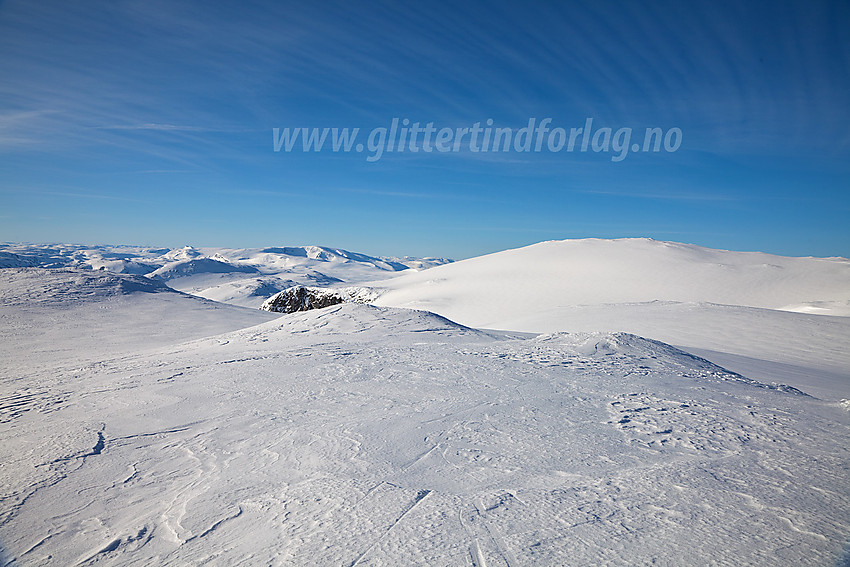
[304, 298]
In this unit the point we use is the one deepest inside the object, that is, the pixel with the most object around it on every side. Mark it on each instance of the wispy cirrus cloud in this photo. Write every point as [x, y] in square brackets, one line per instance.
[72, 193]
[156, 127]
[92, 91]
[159, 127]
[685, 195]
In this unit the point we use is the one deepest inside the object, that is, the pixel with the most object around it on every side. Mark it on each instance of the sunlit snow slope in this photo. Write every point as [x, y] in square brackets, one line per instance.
[526, 284]
[736, 306]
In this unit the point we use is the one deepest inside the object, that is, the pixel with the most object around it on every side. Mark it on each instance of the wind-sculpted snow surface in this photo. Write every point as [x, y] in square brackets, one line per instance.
[356, 435]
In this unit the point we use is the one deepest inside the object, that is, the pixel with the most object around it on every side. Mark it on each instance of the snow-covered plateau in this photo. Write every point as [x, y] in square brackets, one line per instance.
[588, 402]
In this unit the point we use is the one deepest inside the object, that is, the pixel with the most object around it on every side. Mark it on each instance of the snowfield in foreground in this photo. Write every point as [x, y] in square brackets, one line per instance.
[143, 426]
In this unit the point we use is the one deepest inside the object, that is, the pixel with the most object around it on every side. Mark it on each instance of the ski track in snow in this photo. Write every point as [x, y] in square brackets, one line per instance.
[358, 436]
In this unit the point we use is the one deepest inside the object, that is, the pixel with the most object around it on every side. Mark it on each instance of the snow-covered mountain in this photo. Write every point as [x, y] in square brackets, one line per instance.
[239, 276]
[528, 284]
[197, 266]
[746, 309]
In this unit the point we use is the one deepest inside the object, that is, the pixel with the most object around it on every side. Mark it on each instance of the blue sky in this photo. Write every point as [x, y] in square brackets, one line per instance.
[151, 123]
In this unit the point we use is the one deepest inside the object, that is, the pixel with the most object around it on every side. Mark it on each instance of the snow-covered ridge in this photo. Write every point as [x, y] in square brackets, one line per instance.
[33, 286]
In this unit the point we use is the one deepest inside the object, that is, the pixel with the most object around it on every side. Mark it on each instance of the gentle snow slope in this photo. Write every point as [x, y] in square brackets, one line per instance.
[358, 435]
[79, 316]
[733, 307]
[529, 282]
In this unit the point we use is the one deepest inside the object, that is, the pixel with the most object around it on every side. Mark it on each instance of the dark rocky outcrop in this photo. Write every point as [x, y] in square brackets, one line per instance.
[302, 298]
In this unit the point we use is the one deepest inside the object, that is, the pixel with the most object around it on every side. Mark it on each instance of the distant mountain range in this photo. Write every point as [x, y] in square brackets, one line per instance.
[240, 276]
